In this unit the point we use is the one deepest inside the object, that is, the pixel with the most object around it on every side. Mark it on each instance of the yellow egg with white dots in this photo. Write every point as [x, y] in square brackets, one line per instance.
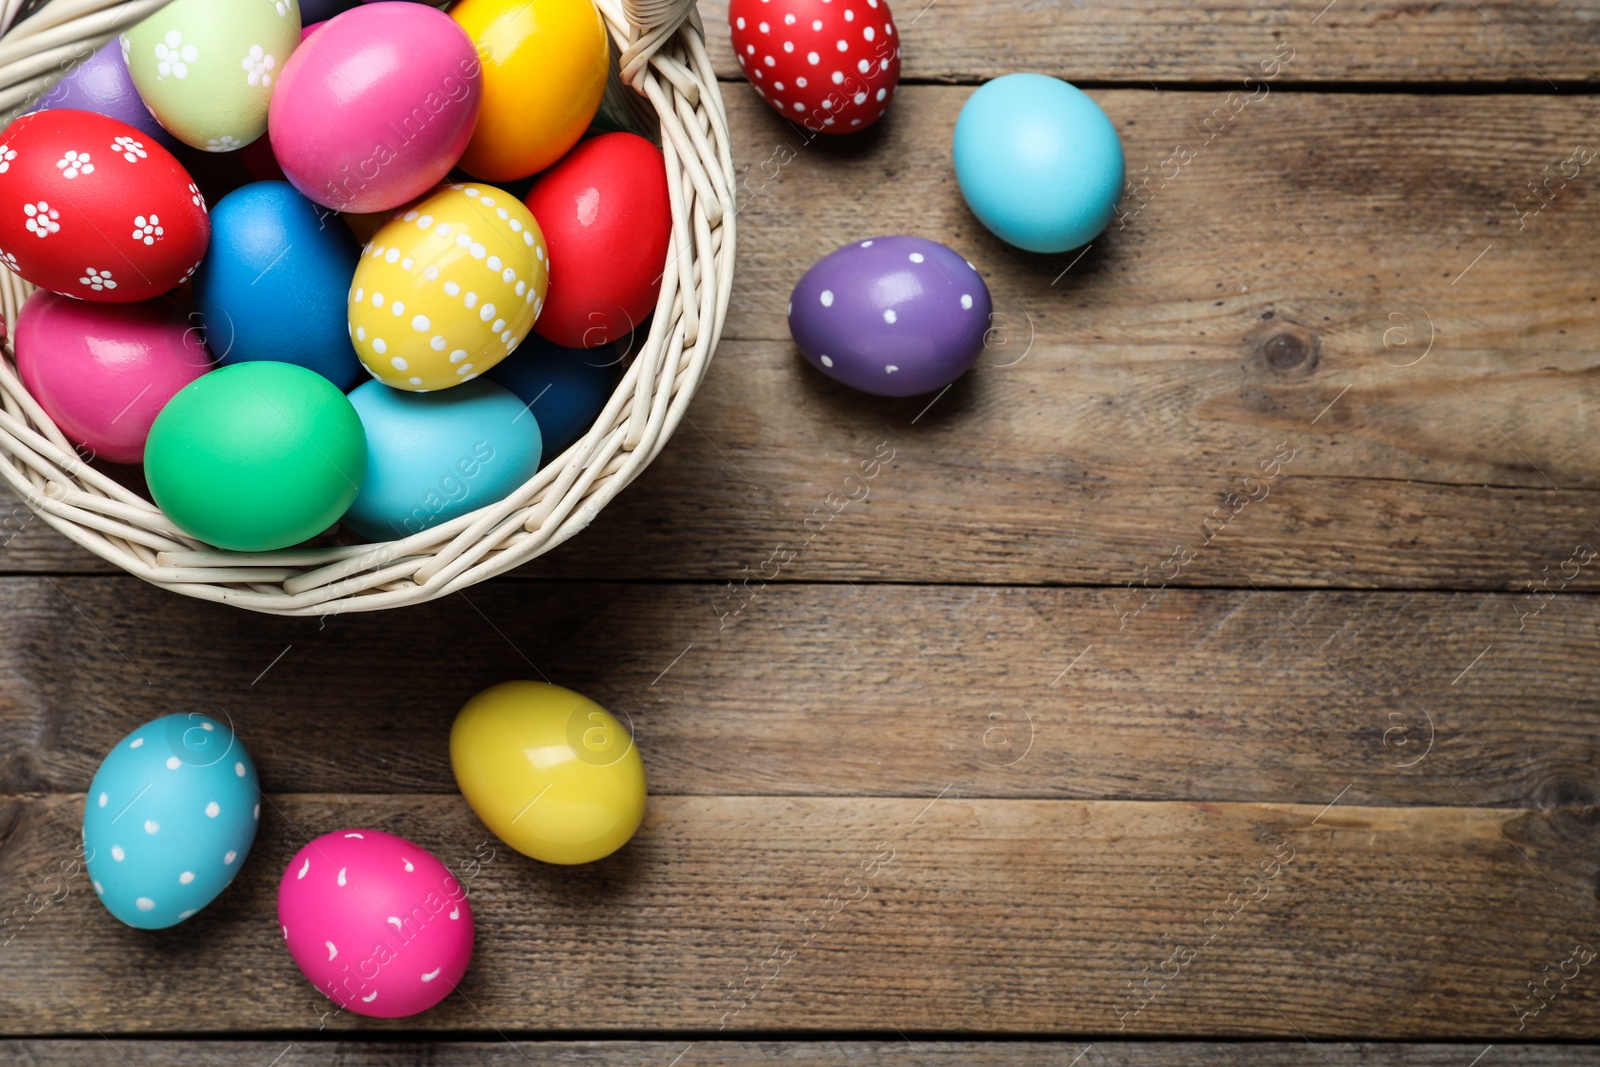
[448, 287]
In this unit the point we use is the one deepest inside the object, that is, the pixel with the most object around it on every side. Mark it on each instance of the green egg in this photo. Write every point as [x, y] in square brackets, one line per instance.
[256, 456]
[206, 67]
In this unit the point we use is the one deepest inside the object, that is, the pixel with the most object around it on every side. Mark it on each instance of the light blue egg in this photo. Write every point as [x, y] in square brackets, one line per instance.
[275, 282]
[564, 388]
[433, 456]
[169, 819]
[1038, 162]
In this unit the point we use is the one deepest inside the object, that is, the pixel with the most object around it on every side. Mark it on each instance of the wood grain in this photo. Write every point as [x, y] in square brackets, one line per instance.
[1137, 43]
[1148, 394]
[894, 1052]
[840, 691]
[945, 914]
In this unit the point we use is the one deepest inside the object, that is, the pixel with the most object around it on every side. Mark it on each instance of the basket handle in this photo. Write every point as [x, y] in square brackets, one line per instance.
[651, 24]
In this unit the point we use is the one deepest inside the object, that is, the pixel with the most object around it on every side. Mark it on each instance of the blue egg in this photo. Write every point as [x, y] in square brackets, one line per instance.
[565, 388]
[1038, 161]
[275, 281]
[320, 10]
[433, 456]
[169, 819]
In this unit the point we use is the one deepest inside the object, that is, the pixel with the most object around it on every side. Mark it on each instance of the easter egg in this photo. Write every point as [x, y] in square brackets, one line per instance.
[314, 11]
[275, 282]
[893, 316]
[93, 208]
[606, 217]
[544, 70]
[446, 290]
[375, 922]
[104, 371]
[520, 742]
[207, 68]
[831, 67]
[379, 111]
[169, 819]
[256, 456]
[103, 85]
[433, 456]
[1038, 162]
[565, 389]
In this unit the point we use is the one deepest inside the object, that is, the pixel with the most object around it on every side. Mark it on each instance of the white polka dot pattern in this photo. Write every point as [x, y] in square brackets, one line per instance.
[839, 59]
[463, 271]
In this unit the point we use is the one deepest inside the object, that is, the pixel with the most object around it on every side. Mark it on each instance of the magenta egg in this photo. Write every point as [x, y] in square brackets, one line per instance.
[380, 110]
[104, 371]
[376, 922]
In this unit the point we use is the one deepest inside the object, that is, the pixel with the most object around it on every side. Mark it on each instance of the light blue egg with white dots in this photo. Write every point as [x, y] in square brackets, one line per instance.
[1038, 162]
[169, 819]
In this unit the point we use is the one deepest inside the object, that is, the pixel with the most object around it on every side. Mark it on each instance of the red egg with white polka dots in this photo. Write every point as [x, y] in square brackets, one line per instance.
[91, 207]
[829, 65]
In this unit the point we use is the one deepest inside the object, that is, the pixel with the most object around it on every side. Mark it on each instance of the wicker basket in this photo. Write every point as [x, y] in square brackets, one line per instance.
[663, 60]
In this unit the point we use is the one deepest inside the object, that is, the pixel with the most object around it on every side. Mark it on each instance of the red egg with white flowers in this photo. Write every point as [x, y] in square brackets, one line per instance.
[829, 65]
[606, 217]
[91, 207]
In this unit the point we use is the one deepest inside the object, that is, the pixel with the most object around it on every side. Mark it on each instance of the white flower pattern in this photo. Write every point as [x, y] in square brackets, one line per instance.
[9, 260]
[98, 280]
[131, 150]
[226, 143]
[73, 164]
[258, 66]
[173, 56]
[7, 154]
[282, 8]
[41, 219]
[198, 200]
[148, 229]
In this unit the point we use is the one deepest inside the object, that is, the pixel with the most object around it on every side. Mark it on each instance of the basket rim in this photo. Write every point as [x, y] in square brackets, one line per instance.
[669, 79]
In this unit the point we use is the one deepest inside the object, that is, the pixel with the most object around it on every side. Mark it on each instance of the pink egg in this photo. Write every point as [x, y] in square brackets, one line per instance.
[379, 110]
[375, 922]
[104, 371]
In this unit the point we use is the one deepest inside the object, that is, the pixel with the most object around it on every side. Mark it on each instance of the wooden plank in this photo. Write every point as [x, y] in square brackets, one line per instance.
[1147, 395]
[829, 690]
[927, 1052]
[1141, 43]
[909, 914]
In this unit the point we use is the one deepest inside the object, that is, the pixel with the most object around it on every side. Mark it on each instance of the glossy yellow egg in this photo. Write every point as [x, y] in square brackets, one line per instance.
[544, 71]
[448, 287]
[551, 772]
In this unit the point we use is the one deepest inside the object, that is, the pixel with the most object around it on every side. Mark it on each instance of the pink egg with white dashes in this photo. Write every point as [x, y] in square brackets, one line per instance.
[376, 922]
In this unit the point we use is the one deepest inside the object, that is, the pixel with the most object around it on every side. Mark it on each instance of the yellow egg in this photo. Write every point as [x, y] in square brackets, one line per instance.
[551, 772]
[544, 73]
[448, 287]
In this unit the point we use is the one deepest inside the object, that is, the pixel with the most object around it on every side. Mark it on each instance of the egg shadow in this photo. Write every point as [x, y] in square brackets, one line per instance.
[901, 414]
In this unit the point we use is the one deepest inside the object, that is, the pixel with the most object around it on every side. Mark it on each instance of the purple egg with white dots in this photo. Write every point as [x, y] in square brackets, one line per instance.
[892, 316]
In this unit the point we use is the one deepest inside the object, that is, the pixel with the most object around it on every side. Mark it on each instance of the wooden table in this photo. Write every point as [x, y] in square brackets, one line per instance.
[1211, 672]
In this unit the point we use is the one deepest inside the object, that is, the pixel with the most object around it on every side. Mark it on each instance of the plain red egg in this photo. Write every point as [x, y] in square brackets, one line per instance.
[607, 219]
[91, 207]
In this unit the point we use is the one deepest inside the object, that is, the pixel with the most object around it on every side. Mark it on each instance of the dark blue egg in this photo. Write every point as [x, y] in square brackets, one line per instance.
[320, 10]
[275, 282]
[565, 388]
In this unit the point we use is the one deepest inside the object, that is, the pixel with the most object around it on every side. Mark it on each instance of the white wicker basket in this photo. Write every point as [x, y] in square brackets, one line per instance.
[663, 59]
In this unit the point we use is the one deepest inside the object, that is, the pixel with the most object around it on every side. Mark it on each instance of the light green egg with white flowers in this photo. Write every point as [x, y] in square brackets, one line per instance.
[206, 68]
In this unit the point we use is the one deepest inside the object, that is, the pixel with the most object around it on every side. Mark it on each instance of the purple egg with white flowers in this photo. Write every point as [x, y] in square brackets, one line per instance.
[892, 316]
